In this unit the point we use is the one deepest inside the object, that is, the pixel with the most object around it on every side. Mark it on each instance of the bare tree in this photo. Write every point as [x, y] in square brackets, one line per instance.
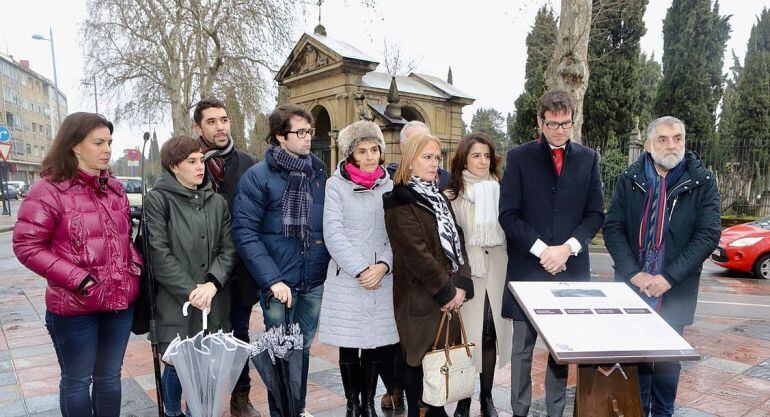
[568, 70]
[152, 55]
[395, 61]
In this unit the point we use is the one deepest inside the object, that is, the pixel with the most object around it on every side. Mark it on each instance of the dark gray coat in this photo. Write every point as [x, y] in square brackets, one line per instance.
[192, 246]
[693, 233]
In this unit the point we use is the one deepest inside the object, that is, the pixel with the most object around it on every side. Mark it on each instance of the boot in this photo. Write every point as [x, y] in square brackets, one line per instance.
[487, 406]
[240, 405]
[368, 388]
[398, 400]
[351, 382]
[387, 401]
[463, 408]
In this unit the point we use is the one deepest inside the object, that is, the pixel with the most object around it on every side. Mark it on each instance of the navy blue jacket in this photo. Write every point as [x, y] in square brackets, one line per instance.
[257, 228]
[693, 232]
[536, 203]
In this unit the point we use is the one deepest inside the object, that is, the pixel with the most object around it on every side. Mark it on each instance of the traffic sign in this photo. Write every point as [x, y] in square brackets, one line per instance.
[5, 134]
[5, 150]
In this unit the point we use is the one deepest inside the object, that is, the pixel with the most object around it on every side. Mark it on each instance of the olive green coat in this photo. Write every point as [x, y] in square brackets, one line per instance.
[189, 248]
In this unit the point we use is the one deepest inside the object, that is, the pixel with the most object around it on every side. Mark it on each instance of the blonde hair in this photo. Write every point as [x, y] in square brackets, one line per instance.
[411, 149]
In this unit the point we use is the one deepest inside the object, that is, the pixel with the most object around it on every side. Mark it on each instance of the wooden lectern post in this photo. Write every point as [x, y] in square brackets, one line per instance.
[616, 395]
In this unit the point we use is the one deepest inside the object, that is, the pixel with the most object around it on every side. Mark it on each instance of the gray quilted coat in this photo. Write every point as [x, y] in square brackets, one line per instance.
[354, 231]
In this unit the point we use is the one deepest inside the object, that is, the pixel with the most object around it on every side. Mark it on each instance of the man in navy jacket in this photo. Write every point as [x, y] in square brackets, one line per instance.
[666, 268]
[278, 227]
[550, 209]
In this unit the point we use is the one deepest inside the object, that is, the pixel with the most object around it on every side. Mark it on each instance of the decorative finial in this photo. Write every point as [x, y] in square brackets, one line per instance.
[320, 29]
[393, 109]
[449, 76]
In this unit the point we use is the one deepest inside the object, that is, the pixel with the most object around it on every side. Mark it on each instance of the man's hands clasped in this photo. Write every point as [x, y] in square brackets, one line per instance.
[554, 258]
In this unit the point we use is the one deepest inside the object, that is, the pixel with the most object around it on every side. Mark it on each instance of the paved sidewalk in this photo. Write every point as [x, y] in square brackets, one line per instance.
[732, 379]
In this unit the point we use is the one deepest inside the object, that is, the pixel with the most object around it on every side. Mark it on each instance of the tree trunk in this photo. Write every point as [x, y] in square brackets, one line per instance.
[568, 70]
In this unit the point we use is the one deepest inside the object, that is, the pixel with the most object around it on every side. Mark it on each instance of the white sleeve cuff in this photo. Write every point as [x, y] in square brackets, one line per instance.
[538, 247]
[574, 245]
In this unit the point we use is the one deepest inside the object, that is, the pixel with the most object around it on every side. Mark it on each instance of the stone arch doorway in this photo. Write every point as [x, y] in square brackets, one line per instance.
[321, 144]
[410, 113]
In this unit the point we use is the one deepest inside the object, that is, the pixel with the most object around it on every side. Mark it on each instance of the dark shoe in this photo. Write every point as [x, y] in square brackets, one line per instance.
[436, 412]
[240, 405]
[387, 401]
[463, 408]
[351, 382]
[398, 399]
[487, 406]
[368, 388]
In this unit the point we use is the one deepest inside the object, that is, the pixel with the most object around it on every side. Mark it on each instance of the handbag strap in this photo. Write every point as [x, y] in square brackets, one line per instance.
[438, 333]
[464, 340]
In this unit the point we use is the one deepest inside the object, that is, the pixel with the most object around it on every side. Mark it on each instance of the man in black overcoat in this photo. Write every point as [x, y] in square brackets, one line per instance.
[550, 209]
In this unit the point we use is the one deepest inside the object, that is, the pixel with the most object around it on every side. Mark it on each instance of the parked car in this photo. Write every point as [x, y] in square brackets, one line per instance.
[133, 187]
[745, 248]
[23, 191]
[11, 191]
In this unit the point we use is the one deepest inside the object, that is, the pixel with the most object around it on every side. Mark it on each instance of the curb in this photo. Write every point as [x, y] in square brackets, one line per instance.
[4, 229]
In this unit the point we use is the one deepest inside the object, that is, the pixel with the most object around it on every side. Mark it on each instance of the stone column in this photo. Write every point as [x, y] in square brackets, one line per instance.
[634, 143]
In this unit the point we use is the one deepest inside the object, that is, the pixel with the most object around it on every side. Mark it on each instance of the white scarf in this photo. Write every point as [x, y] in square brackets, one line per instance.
[486, 232]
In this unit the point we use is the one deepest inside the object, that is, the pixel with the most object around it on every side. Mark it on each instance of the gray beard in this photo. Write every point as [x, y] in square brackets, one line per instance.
[668, 162]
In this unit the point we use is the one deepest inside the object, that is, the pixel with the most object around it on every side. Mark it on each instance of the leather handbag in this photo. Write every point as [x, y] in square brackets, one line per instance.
[448, 374]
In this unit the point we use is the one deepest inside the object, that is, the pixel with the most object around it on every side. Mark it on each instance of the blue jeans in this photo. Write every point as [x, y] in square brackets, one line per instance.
[305, 309]
[658, 382]
[171, 392]
[239, 317]
[90, 350]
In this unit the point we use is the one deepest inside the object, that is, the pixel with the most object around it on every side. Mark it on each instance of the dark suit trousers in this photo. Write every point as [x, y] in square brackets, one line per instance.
[524, 338]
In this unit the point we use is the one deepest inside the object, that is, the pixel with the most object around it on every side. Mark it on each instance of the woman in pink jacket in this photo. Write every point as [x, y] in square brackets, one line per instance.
[73, 229]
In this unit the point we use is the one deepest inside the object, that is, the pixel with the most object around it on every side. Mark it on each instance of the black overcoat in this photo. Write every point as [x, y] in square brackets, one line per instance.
[536, 203]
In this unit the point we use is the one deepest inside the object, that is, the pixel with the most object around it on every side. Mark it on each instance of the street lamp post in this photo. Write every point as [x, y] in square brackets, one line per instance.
[53, 55]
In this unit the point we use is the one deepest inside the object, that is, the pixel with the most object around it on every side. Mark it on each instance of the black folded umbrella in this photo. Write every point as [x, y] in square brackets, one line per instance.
[277, 356]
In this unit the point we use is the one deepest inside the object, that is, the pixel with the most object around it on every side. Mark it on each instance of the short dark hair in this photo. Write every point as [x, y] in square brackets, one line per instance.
[176, 150]
[555, 101]
[60, 162]
[280, 120]
[204, 104]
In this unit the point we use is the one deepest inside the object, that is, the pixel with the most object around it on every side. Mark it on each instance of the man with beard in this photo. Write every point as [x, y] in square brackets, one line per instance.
[224, 167]
[663, 222]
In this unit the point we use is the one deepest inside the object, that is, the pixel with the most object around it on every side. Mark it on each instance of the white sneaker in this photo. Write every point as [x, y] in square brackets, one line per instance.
[305, 413]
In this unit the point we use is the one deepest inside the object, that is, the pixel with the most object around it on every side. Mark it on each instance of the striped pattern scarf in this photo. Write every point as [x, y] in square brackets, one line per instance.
[447, 232]
[655, 221]
[214, 158]
[297, 201]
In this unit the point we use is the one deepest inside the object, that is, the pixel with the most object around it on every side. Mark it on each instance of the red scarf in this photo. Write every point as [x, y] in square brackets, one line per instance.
[364, 179]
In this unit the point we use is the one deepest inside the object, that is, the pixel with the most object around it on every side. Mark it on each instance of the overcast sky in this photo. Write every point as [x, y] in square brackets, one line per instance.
[482, 40]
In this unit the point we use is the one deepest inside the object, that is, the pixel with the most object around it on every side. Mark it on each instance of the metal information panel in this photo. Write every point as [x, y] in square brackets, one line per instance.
[599, 322]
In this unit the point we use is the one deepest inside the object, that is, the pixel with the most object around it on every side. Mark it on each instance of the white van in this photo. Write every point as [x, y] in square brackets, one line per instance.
[133, 187]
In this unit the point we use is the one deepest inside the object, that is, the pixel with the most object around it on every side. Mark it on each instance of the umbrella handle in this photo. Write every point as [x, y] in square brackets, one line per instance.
[205, 314]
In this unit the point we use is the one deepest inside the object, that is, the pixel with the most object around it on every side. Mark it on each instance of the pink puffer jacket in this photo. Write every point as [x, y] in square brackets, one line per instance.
[69, 230]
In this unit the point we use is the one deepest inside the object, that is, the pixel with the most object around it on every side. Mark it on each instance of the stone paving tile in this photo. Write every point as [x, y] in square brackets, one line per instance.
[726, 365]
[133, 397]
[40, 387]
[9, 392]
[42, 403]
[24, 352]
[38, 373]
[743, 389]
[756, 413]
[35, 361]
[691, 412]
[720, 406]
[760, 371]
[754, 329]
[7, 378]
[13, 408]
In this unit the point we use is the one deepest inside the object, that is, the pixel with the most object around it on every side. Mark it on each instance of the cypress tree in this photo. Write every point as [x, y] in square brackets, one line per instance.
[612, 97]
[649, 79]
[540, 45]
[694, 38]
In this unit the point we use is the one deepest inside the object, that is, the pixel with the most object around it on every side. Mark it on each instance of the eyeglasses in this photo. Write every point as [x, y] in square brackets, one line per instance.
[551, 125]
[301, 133]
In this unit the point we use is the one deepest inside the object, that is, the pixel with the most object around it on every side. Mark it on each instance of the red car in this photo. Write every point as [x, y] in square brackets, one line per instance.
[746, 248]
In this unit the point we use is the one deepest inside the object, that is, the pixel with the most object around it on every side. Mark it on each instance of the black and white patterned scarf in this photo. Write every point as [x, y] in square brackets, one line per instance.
[447, 232]
[297, 201]
[214, 158]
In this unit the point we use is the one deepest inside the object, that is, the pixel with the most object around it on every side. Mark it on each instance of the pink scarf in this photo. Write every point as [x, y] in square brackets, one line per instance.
[364, 179]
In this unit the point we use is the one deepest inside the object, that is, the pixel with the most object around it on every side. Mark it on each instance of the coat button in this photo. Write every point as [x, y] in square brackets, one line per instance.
[556, 211]
[553, 190]
[203, 236]
[203, 265]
